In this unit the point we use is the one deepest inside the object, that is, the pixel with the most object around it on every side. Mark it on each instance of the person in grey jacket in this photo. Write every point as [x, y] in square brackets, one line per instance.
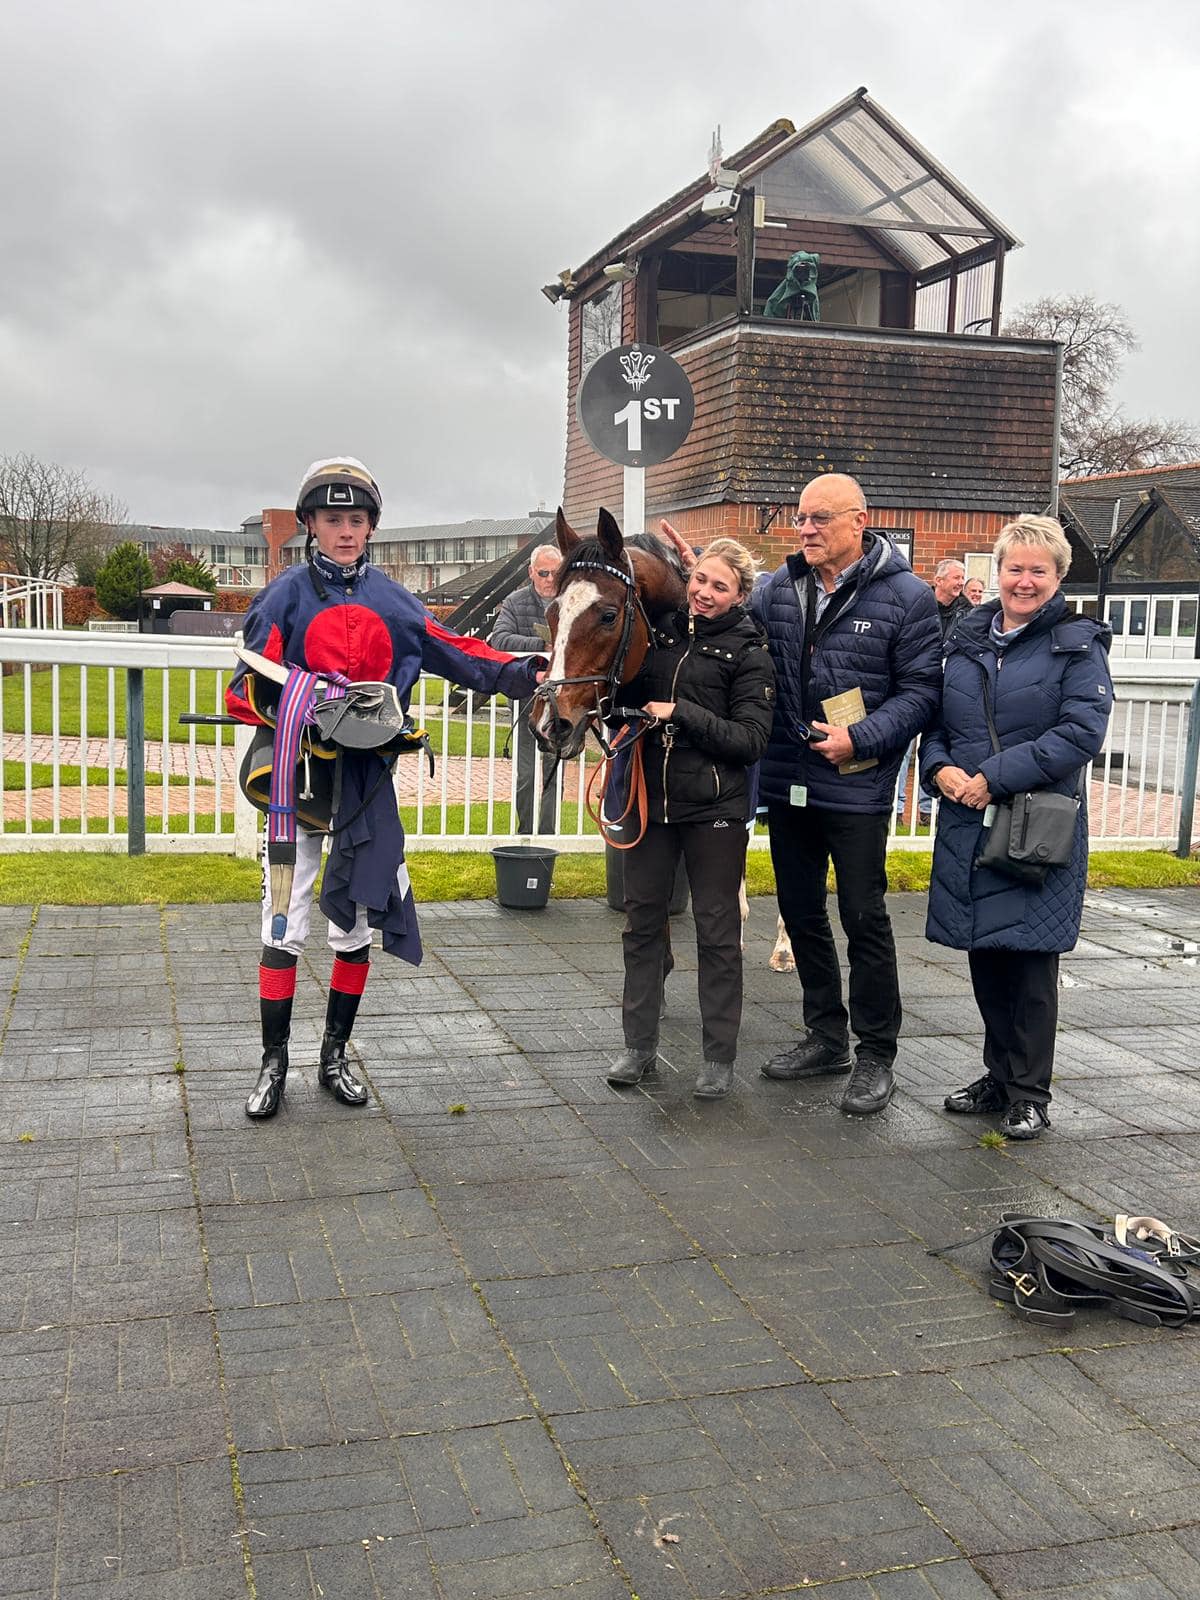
[521, 625]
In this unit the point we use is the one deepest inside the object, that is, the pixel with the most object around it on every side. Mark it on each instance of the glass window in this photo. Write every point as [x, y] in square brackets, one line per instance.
[600, 324]
[481, 550]
[220, 555]
[1137, 618]
[1163, 617]
[1116, 616]
[1187, 619]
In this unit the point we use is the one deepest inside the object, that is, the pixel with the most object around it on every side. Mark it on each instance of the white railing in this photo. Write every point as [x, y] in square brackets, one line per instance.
[67, 761]
[30, 602]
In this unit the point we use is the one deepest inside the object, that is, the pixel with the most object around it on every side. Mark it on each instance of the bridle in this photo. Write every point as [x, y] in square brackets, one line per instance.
[614, 677]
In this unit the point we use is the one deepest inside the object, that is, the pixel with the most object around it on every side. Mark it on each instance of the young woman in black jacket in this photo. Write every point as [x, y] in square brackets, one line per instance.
[710, 683]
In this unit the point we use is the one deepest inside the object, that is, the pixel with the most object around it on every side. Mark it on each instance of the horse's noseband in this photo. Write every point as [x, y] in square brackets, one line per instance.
[547, 689]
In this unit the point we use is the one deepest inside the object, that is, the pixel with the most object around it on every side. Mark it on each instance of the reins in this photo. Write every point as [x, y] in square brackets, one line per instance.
[628, 739]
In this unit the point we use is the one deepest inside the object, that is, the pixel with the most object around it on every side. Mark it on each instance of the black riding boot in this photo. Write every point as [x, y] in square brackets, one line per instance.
[276, 1029]
[334, 1072]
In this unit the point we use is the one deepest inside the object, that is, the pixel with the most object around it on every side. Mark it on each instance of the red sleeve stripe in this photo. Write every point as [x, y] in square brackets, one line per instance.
[238, 706]
[467, 647]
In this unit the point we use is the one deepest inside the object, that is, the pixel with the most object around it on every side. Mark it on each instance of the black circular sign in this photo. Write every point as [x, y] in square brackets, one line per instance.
[635, 405]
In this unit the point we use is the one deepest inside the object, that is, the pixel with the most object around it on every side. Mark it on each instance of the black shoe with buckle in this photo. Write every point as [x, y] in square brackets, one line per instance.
[813, 1057]
[630, 1067]
[335, 1075]
[871, 1086]
[1024, 1119]
[978, 1099]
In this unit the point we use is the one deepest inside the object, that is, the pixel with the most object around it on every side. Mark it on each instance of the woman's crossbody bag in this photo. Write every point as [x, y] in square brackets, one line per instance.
[1032, 832]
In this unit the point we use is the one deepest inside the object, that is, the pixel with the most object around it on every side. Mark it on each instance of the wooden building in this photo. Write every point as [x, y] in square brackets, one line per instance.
[904, 381]
[1143, 529]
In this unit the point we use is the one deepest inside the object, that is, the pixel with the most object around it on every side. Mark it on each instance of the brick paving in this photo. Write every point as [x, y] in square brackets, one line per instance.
[1116, 810]
[568, 1341]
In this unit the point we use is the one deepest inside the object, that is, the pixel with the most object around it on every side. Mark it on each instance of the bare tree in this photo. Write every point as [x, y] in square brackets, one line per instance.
[49, 514]
[1095, 435]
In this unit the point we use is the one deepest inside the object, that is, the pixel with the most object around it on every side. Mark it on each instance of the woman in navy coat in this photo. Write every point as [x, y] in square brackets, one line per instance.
[1044, 671]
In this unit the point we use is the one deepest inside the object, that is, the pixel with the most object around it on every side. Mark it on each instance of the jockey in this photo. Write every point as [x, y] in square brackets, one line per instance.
[336, 614]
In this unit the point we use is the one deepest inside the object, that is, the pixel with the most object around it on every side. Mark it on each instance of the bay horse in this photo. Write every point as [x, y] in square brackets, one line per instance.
[610, 592]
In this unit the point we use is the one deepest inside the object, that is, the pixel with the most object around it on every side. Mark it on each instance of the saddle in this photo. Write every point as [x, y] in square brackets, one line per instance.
[1047, 1268]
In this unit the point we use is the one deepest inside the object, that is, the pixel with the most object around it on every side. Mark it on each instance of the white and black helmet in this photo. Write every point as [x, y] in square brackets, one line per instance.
[339, 482]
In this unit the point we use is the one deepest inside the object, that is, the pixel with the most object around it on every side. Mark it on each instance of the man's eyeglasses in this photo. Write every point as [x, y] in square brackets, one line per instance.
[545, 572]
[820, 519]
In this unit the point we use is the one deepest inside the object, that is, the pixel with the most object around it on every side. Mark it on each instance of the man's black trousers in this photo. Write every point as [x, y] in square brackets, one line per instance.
[715, 857]
[1017, 995]
[804, 839]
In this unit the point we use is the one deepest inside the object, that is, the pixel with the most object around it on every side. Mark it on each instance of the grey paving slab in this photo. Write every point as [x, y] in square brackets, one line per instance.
[1139, 1567]
[569, 1340]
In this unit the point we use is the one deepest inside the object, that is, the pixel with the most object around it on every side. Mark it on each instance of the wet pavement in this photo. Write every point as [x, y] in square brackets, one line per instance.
[508, 1332]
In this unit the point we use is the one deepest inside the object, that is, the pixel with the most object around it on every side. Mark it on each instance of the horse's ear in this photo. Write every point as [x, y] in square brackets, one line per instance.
[609, 534]
[564, 533]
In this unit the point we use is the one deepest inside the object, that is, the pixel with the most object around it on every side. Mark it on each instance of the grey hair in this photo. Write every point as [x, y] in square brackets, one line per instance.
[544, 550]
[943, 567]
[1039, 533]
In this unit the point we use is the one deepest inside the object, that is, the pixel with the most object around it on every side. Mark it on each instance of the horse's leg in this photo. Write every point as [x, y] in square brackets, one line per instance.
[782, 959]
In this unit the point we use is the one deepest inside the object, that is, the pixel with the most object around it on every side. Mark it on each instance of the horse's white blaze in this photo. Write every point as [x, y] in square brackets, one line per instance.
[575, 600]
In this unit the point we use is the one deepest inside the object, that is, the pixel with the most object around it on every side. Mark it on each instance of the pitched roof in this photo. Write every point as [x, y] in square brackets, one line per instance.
[1184, 472]
[854, 164]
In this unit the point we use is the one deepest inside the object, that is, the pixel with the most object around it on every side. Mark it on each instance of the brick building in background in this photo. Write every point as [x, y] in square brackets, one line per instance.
[903, 381]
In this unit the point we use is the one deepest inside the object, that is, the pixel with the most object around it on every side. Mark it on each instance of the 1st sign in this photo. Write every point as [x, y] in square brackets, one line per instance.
[635, 405]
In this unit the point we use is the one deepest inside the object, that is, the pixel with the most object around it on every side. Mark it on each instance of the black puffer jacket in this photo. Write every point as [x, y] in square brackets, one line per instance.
[718, 673]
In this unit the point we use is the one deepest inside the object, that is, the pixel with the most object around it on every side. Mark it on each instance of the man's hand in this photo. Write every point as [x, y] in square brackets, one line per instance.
[836, 746]
[678, 543]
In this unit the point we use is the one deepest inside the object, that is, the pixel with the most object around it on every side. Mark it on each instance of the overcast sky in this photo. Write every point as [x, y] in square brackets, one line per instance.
[241, 235]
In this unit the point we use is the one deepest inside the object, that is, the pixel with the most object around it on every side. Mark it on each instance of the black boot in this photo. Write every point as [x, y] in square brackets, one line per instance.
[264, 1098]
[334, 1072]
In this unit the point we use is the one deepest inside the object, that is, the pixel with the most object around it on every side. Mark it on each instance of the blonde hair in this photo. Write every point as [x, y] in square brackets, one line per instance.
[1039, 533]
[737, 558]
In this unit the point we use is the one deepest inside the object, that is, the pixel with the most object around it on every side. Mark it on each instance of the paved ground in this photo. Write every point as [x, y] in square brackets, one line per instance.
[568, 1343]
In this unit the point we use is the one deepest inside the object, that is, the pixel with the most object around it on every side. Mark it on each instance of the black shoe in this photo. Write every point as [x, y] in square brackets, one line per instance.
[978, 1099]
[266, 1094]
[813, 1057]
[335, 1075]
[1024, 1119]
[871, 1086]
[715, 1080]
[629, 1067]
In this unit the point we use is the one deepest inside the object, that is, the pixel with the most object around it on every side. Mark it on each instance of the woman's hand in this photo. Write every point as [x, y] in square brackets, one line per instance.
[957, 785]
[954, 783]
[664, 710]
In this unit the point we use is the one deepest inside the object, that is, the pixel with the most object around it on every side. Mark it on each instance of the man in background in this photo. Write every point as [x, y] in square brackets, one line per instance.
[973, 591]
[949, 577]
[521, 625]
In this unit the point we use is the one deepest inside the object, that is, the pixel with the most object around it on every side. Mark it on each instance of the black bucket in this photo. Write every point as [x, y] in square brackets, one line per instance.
[523, 874]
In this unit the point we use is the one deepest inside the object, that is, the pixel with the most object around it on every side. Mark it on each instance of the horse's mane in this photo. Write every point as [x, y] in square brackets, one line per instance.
[591, 550]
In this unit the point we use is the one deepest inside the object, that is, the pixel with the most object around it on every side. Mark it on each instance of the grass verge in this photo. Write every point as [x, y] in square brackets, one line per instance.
[84, 878]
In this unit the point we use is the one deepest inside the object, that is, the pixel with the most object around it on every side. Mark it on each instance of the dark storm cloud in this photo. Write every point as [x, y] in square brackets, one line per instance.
[239, 237]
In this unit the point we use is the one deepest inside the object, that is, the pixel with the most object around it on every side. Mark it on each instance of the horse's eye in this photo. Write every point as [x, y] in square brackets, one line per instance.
[607, 618]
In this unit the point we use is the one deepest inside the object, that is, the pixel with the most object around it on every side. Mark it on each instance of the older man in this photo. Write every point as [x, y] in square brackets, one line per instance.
[844, 613]
[521, 625]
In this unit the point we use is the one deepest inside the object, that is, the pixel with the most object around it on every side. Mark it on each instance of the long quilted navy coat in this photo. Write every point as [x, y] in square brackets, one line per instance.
[1051, 698]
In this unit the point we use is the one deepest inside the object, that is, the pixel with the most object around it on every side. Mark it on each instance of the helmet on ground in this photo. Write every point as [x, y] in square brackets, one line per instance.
[340, 482]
